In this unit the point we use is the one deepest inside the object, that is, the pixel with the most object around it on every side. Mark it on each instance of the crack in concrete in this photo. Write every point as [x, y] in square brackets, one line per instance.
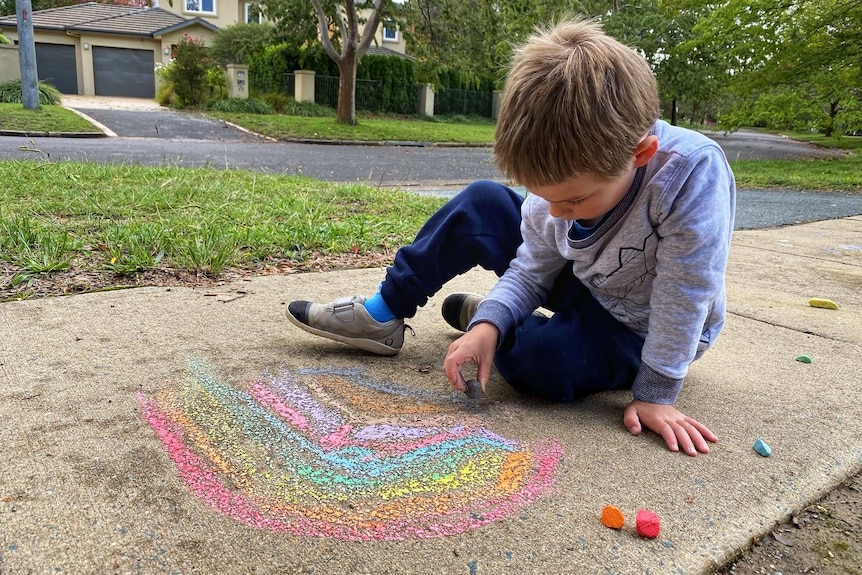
[794, 329]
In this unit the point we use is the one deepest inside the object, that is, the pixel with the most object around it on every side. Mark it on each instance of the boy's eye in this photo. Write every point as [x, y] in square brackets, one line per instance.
[576, 202]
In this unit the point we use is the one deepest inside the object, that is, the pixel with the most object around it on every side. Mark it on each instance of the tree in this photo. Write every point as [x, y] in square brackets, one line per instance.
[807, 47]
[477, 36]
[294, 20]
[685, 73]
[339, 32]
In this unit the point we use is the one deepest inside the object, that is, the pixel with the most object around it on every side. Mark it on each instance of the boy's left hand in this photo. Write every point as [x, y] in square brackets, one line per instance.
[677, 429]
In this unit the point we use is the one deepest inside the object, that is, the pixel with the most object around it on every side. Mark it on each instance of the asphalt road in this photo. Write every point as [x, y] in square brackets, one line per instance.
[162, 137]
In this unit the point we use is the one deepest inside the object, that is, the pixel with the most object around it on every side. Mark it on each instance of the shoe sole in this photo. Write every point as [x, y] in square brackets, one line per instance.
[364, 344]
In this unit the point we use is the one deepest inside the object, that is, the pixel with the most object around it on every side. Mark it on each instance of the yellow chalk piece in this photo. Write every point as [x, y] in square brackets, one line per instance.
[822, 302]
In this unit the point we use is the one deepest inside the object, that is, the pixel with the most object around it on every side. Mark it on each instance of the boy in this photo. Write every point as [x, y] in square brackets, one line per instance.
[624, 235]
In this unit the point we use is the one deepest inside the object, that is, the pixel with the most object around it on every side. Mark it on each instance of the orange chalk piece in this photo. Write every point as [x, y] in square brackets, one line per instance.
[612, 517]
[647, 524]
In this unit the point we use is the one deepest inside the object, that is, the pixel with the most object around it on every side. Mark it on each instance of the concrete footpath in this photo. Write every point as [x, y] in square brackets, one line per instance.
[182, 430]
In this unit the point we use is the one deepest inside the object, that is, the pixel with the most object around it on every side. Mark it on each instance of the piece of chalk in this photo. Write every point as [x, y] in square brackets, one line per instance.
[762, 448]
[612, 517]
[822, 302]
[647, 524]
[474, 389]
[803, 358]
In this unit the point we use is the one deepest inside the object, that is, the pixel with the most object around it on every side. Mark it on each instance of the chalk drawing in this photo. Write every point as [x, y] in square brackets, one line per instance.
[336, 454]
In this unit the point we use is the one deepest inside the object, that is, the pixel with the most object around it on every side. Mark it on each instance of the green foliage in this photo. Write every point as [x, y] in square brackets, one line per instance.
[294, 20]
[188, 72]
[395, 82]
[236, 44]
[284, 104]
[240, 106]
[36, 247]
[11, 93]
[4, 39]
[166, 95]
[812, 49]
[774, 110]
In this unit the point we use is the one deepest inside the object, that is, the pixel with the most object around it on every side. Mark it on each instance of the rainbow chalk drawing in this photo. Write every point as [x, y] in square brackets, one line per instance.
[333, 453]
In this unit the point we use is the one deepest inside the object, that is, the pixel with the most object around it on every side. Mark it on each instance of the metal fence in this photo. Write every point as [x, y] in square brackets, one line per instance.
[369, 97]
[367, 93]
[464, 102]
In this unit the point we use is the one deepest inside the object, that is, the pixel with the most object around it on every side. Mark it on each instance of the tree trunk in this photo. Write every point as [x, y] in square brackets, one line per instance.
[830, 127]
[346, 111]
[673, 108]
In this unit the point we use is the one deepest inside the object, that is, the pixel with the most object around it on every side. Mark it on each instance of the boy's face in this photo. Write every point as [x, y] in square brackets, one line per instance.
[586, 197]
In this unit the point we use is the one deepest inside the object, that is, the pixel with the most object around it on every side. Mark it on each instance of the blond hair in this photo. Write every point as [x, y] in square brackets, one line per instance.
[575, 101]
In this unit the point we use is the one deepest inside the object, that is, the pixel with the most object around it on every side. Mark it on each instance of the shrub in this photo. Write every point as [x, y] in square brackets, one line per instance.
[279, 101]
[188, 72]
[284, 104]
[240, 106]
[166, 95]
[235, 44]
[12, 93]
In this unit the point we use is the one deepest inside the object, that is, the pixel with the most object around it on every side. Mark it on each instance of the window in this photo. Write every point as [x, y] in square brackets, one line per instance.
[252, 13]
[390, 32]
[201, 6]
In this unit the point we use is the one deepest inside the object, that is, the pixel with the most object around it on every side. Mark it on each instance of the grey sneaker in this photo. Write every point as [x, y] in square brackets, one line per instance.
[459, 308]
[346, 320]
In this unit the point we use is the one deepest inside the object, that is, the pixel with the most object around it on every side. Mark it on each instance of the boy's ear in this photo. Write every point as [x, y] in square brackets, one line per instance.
[646, 150]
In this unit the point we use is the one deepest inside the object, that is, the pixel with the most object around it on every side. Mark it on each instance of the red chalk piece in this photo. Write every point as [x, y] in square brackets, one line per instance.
[612, 517]
[647, 524]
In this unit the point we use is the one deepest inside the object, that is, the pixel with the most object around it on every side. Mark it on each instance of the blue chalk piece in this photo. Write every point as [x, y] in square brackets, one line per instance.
[474, 567]
[762, 448]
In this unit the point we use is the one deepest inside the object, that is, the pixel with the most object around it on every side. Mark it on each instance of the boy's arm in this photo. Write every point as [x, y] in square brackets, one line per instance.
[525, 285]
[694, 230]
[695, 225]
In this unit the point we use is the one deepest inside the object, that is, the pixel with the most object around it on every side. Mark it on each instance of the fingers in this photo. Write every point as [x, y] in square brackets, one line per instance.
[692, 436]
[703, 430]
[680, 432]
[631, 420]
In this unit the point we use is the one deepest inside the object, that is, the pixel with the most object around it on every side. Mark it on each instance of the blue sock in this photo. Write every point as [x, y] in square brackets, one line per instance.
[378, 309]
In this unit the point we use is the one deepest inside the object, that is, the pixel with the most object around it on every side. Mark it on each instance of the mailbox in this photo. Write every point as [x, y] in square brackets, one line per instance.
[237, 81]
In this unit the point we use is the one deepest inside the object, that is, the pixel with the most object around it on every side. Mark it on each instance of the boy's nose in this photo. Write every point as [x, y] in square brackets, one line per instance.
[557, 211]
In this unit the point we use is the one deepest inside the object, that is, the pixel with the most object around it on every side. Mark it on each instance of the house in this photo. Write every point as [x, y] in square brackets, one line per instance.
[106, 50]
[224, 13]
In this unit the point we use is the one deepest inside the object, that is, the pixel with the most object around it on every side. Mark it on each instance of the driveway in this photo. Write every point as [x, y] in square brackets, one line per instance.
[143, 118]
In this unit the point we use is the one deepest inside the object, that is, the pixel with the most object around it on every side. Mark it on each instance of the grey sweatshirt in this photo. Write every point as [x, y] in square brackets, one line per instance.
[656, 262]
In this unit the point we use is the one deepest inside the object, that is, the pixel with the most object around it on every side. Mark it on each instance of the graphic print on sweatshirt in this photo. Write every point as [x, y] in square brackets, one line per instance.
[615, 290]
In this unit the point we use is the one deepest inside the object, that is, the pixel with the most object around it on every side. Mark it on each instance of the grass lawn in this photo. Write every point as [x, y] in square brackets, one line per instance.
[111, 224]
[366, 129]
[45, 119]
[843, 175]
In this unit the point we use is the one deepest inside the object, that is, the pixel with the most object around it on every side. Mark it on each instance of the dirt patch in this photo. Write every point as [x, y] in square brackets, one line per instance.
[17, 284]
[825, 538]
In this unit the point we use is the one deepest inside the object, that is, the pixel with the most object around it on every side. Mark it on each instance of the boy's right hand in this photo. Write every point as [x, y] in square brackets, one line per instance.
[477, 345]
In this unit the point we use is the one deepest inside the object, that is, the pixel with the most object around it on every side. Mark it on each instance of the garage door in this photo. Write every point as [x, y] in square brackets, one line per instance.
[124, 72]
[55, 64]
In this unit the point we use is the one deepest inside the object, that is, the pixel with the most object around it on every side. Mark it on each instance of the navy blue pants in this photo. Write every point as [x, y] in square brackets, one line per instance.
[580, 350]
